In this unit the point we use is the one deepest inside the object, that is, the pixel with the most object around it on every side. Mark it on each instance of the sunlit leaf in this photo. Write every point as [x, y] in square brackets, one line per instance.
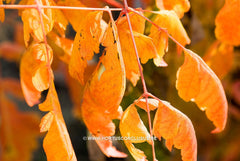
[145, 46]
[168, 20]
[219, 58]
[178, 6]
[133, 131]
[32, 23]
[176, 129]
[227, 23]
[86, 43]
[34, 72]
[73, 16]
[198, 83]
[57, 140]
[104, 91]
[18, 132]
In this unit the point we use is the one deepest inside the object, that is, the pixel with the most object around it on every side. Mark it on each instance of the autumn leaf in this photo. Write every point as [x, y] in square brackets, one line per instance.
[178, 6]
[198, 83]
[133, 131]
[61, 46]
[34, 72]
[176, 129]
[2, 13]
[31, 22]
[12, 86]
[219, 57]
[168, 20]
[228, 23]
[104, 91]
[18, 131]
[145, 46]
[86, 43]
[11, 51]
[57, 140]
[73, 15]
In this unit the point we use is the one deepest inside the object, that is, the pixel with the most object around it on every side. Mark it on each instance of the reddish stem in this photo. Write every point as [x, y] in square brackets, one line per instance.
[145, 94]
[44, 38]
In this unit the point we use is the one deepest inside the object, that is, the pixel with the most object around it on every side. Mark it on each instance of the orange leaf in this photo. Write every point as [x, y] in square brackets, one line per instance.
[2, 13]
[57, 140]
[170, 21]
[31, 22]
[18, 132]
[176, 129]
[133, 131]
[178, 6]
[145, 46]
[61, 46]
[198, 83]
[228, 23]
[219, 58]
[73, 15]
[86, 43]
[34, 72]
[11, 51]
[104, 91]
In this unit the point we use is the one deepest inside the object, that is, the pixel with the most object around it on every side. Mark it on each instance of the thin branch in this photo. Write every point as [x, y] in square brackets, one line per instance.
[159, 28]
[44, 39]
[57, 7]
[145, 94]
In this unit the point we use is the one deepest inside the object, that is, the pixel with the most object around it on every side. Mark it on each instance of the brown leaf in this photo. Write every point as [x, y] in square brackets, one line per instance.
[198, 83]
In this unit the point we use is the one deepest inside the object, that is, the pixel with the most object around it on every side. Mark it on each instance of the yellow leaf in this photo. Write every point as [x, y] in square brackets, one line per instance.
[104, 91]
[198, 83]
[133, 131]
[86, 43]
[57, 140]
[18, 132]
[178, 6]
[176, 129]
[228, 23]
[145, 45]
[34, 72]
[219, 57]
[32, 23]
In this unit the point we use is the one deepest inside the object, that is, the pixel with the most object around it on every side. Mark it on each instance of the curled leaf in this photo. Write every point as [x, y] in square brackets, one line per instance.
[176, 129]
[32, 23]
[86, 43]
[133, 131]
[227, 23]
[198, 83]
[178, 6]
[35, 73]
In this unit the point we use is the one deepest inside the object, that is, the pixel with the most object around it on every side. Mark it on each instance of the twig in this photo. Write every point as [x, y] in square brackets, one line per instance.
[145, 94]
